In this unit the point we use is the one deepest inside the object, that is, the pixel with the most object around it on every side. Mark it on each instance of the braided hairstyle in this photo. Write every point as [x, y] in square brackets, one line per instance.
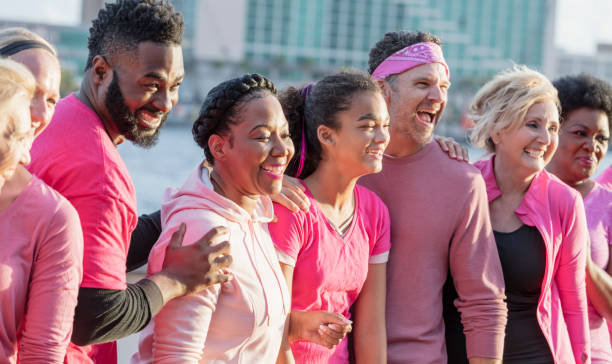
[584, 90]
[223, 104]
[122, 25]
[329, 96]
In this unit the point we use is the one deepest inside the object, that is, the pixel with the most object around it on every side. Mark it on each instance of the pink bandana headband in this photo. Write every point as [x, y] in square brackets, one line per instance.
[410, 57]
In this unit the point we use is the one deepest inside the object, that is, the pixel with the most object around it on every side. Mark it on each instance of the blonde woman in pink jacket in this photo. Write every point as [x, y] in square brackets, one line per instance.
[539, 222]
[245, 138]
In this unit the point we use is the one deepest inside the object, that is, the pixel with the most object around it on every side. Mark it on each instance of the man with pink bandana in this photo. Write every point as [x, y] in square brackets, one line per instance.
[439, 215]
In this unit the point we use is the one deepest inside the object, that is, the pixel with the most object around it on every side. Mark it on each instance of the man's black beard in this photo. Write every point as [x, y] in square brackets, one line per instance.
[126, 121]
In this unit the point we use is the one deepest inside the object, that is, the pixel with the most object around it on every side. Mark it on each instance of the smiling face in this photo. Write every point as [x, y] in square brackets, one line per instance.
[46, 71]
[257, 148]
[528, 147]
[16, 135]
[416, 100]
[583, 143]
[143, 90]
[362, 137]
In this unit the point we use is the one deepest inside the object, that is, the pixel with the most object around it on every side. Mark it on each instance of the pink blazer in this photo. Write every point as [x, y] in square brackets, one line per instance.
[557, 211]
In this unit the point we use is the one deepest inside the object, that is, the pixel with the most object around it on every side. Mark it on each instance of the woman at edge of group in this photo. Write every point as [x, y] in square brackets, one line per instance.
[586, 104]
[40, 263]
[34, 52]
[335, 254]
[245, 138]
[46, 332]
[539, 222]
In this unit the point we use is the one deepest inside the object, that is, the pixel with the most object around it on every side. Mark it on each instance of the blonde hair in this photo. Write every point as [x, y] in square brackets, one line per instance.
[11, 35]
[502, 103]
[16, 81]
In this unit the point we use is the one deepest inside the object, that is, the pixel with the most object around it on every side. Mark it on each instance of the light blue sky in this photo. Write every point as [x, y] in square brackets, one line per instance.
[580, 24]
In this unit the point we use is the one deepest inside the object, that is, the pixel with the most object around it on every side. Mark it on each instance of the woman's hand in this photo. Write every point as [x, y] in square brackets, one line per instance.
[320, 327]
[454, 149]
[292, 195]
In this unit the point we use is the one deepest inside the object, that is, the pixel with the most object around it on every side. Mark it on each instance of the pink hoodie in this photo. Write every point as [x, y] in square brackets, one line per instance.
[241, 321]
[557, 211]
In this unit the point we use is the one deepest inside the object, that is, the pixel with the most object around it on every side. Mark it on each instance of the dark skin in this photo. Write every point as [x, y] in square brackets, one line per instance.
[149, 78]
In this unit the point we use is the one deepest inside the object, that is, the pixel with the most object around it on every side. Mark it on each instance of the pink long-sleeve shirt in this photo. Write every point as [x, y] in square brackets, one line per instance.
[439, 225]
[557, 211]
[40, 272]
[598, 208]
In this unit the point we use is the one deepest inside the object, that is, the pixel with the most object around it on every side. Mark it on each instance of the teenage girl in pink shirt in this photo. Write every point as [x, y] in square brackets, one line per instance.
[538, 221]
[334, 255]
[586, 104]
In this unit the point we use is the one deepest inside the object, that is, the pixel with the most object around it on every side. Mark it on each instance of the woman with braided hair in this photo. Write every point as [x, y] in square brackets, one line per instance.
[245, 138]
[334, 255]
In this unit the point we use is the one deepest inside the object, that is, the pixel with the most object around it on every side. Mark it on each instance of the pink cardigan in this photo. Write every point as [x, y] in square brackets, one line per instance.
[557, 212]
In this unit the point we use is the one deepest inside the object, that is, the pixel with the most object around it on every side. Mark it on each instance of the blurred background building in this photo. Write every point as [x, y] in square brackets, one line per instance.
[298, 41]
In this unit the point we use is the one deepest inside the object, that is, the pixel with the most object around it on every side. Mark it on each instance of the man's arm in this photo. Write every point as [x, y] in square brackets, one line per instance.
[143, 238]
[478, 277]
[104, 315]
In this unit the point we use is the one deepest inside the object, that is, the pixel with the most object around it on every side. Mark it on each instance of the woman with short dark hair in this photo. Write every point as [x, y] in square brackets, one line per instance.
[586, 104]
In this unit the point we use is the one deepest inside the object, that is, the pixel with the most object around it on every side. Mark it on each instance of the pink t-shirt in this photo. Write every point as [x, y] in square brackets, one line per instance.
[605, 178]
[40, 273]
[598, 208]
[330, 269]
[76, 157]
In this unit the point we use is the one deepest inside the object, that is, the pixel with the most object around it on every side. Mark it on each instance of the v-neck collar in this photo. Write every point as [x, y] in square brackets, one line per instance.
[329, 224]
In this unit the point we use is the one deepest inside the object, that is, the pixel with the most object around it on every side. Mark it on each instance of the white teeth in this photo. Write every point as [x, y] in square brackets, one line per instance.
[275, 170]
[535, 153]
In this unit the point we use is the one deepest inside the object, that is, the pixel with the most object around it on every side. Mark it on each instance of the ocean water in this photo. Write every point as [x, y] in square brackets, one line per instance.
[169, 162]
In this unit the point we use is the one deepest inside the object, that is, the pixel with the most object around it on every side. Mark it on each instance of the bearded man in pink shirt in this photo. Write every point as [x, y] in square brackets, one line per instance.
[440, 226]
[131, 81]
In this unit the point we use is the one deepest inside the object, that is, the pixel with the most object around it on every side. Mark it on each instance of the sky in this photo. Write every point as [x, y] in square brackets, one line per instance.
[580, 24]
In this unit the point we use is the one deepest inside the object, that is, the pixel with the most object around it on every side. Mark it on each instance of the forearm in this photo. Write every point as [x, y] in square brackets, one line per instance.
[369, 330]
[285, 356]
[478, 278]
[104, 315]
[370, 343]
[599, 289]
[143, 238]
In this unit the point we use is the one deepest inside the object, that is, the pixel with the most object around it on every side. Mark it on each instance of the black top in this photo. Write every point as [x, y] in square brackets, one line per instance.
[522, 254]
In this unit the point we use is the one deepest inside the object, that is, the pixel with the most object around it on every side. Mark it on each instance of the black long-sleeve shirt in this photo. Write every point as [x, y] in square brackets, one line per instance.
[104, 315]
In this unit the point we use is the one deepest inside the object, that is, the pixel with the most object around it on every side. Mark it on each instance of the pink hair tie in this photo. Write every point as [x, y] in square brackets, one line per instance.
[410, 57]
[305, 92]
